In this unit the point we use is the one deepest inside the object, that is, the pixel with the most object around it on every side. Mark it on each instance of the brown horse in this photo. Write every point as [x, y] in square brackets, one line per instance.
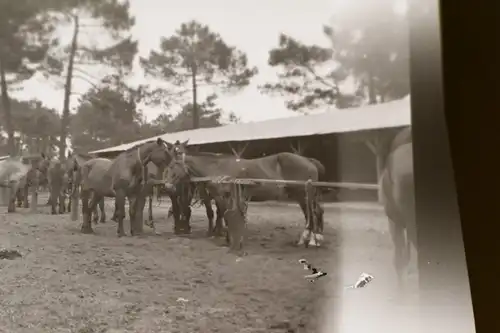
[184, 195]
[57, 179]
[123, 178]
[282, 166]
[397, 195]
[74, 163]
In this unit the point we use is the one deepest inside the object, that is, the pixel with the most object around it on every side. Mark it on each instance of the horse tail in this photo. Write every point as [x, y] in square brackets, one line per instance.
[320, 167]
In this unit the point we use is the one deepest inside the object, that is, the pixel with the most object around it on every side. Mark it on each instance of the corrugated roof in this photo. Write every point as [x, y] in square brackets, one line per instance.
[386, 115]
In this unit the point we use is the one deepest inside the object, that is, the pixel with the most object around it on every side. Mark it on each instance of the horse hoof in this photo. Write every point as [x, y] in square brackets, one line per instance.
[121, 234]
[87, 231]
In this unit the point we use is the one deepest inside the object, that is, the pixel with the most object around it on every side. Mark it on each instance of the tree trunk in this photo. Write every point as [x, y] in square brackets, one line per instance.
[7, 111]
[372, 95]
[196, 116]
[67, 91]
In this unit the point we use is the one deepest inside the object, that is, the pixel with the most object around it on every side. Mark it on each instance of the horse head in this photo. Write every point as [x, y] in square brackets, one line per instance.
[178, 149]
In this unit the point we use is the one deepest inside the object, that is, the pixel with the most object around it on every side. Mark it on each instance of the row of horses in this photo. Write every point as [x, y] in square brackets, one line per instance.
[133, 174]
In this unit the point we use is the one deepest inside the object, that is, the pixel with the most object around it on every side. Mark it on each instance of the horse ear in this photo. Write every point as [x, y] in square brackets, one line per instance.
[185, 142]
[160, 141]
[43, 155]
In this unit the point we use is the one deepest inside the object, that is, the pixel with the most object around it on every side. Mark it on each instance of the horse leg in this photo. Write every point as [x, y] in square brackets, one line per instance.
[25, 195]
[18, 195]
[210, 215]
[120, 211]
[134, 206]
[306, 234]
[137, 224]
[86, 212]
[176, 213]
[93, 208]
[316, 213]
[103, 211]
[95, 198]
[13, 191]
[68, 207]
[149, 222]
[62, 204]
[186, 217]
[115, 217]
[52, 201]
[400, 252]
[220, 210]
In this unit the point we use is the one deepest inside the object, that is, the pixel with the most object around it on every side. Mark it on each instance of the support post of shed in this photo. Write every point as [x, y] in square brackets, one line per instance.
[299, 148]
[378, 146]
[240, 148]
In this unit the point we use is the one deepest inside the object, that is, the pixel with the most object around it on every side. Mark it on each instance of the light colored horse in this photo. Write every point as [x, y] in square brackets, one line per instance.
[398, 197]
[12, 171]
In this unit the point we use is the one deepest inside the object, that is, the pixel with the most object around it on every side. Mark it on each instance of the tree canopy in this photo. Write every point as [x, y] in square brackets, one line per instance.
[108, 115]
[35, 126]
[371, 47]
[24, 40]
[211, 115]
[196, 57]
[109, 18]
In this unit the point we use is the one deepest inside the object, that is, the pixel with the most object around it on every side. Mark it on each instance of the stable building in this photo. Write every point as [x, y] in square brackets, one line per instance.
[346, 141]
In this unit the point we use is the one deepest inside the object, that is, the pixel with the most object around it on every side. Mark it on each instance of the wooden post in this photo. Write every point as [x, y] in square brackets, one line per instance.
[238, 152]
[378, 147]
[235, 219]
[300, 149]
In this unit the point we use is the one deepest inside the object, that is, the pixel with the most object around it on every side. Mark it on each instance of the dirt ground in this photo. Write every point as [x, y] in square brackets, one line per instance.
[70, 282]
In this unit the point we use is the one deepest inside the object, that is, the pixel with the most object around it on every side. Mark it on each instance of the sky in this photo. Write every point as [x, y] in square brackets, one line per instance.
[252, 27]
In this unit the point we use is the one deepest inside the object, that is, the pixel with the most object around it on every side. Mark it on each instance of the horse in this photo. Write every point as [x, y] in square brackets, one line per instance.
[35, 177]
[396, 190]
[74, 163]
[12, 171]
[37, 174]
[281, 166]
[184, 195]
[123, 178]
[57, 179]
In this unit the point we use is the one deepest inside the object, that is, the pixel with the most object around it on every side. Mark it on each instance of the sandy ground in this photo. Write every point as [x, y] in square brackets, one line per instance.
[69, 282]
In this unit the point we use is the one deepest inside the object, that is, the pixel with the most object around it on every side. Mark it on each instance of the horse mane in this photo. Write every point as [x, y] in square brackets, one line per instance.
[134, 147]
[82, 154]
[208, 154]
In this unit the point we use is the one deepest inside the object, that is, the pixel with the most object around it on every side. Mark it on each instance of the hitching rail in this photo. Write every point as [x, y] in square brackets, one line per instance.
[255, 181]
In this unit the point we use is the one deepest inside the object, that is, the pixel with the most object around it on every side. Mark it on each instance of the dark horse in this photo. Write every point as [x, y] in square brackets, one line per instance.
[282, 166]
[123, 178]
[397, 195]
[184, 194]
